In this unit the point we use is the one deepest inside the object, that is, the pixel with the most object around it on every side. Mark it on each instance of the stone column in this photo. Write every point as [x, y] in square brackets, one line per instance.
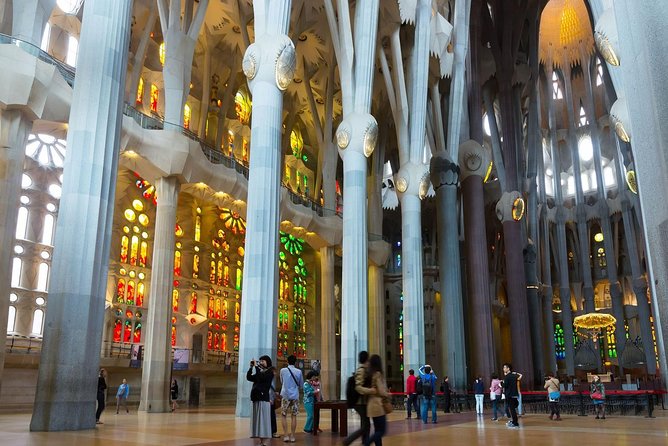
[67, 382]
[408, 182]
[157, 364]
[14, 129]
[328, 365]
[269, 65]
[444, 177]
[376, 313]
[30, 17]
[474, 160]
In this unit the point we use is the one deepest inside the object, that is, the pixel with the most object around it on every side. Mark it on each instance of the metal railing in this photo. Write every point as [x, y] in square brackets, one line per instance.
[145, 121]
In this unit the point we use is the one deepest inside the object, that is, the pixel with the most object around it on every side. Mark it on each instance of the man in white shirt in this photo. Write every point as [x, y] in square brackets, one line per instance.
[291, 382]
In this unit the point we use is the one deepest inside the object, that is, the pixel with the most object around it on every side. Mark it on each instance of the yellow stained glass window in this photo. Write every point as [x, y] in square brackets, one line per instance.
[296, 143]
[134, 250]
[175, 300]
[187, 114]
[140, 91]
[243, 106]
[161, 53]
[198, 228]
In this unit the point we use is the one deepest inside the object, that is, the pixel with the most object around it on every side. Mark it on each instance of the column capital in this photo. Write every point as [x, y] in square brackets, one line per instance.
[355, 128]
[412, 179]
[443, 171]
[474, 159]
[270, 59]
[510, 207]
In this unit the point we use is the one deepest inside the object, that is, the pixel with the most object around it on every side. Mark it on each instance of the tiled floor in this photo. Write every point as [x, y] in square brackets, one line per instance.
[219, 427]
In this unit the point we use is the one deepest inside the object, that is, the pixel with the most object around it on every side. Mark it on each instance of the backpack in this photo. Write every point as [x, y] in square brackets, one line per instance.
[352, 396]
[419, 388]
[428, 389]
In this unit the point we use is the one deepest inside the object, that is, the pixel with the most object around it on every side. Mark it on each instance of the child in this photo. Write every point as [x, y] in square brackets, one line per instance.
[311, 395]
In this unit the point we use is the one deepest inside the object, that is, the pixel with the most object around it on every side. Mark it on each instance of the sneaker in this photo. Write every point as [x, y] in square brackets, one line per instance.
[509, 423]
[514, 426]
[495, 419]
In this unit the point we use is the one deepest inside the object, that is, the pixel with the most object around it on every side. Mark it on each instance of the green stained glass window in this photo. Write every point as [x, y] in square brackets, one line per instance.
[281, 255]
[612, 343]
[300, 261]
[559, 344]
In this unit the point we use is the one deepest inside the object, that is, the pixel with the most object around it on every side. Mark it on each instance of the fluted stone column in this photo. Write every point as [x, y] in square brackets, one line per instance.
[474, 160]
[269, 65]
[157, 364]
[328, 365]
[67, 381]
[14, 129]
[445, 177]
[29, 19]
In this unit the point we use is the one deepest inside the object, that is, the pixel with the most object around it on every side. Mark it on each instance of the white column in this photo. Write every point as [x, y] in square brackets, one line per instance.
[269, 65]
[157, 364]
[67, 381]
[328, 364]
[14, 130]
[29, 19]
[411, 272]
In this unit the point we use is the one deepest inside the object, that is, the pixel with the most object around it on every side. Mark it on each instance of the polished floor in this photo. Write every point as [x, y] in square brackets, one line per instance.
[219, 427]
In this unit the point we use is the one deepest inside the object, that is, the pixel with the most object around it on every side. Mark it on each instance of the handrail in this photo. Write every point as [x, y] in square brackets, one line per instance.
[158, 123]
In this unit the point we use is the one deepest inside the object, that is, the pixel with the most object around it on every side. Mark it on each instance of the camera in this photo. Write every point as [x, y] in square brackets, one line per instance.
[252, 363]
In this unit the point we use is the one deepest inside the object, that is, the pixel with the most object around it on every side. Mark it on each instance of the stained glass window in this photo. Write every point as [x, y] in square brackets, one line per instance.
[198, 226]
[141, 289]
[291, 243]
[162, 53]
[177, 263]
[140, 91]
[134, 249]
[117, 330]
[22, 223]
[225, 306]
[559, 344]
[195, 266]
[187, 114]
[296, 143]
[612, 344]
[239, 275]
[136, 336]
[155, 94]
[11, 320]
[127, 331]
[233, 221]
[193, 303]
[243, 106]
[175, 300]
[237, 311]
[130, 296]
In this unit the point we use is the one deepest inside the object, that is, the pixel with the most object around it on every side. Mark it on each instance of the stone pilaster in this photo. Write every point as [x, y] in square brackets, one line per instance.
[269, 65]
[157, 364]
[67, 381]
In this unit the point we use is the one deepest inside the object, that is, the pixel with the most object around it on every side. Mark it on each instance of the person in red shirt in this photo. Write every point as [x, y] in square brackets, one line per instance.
[411, 395]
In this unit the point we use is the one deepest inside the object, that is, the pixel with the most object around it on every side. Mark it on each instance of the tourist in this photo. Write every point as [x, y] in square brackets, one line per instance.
[411, 395]
[597, 393]
[101, 387]
[479, 391]
[495, 395]
[377, 401]
[428, 378]
[447, 394]
[261, 374]
[511, 392]
[553, 395]
[362, 379]
[310, 397]
[122, 396]
[174, 390]
[291, 381]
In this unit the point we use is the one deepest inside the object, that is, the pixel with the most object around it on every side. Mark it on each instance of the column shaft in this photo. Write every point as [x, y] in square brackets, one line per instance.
[14, 130]
[157, 364]
[67, 381]
[328, 365]
[377, 303]
[411, 273]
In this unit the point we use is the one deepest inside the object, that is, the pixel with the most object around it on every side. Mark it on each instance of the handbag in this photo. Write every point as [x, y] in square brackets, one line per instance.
[278, 399]
[597, 395]
[554, 396]
[387, 406]
[492, 396]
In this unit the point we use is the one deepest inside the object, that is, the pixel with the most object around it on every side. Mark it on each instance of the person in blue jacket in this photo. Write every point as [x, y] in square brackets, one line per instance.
[428, 378]
[122, 396]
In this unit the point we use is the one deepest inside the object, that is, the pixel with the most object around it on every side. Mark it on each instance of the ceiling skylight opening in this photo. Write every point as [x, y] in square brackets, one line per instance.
[585, 149]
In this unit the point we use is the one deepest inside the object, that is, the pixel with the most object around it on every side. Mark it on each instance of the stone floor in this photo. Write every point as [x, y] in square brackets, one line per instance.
[219, 427]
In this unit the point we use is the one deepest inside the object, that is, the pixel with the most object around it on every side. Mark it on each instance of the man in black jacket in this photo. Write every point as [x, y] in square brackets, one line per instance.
[510, 390]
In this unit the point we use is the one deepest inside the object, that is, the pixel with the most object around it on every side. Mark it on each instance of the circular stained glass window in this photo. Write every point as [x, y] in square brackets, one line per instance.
[24, 199]
[51, 207]
[129, 215]
[138, 205]
[40, 301]
[143, 219]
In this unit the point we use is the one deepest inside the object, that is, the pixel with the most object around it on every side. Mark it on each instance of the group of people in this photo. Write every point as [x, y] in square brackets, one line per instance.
[122, 395]
[264, 398]
[374, 401]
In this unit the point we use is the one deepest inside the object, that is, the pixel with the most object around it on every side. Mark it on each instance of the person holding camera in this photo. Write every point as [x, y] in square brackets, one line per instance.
[428, 378]
[261, 374]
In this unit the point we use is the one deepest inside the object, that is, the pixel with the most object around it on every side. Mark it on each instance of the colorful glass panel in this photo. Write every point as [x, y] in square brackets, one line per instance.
[175, 300]
[125, 241]
[559, 343]
[130, 295]
[117, 330]
[136, 336]
[155, 93]
[141, 290]
[134, 250]
[140, 91]
[127, 331]
[143, 253]
[120, 291]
